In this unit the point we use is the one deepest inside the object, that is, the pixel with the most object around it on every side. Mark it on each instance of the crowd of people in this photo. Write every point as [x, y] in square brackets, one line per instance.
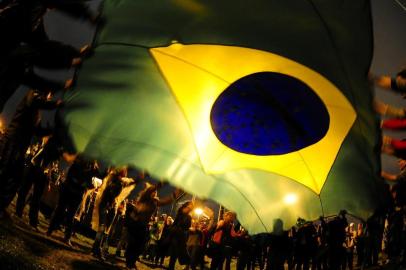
[32, 157]
[394, 118]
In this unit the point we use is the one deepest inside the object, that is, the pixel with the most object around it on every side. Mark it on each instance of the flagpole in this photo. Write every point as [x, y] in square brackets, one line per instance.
[401, 5]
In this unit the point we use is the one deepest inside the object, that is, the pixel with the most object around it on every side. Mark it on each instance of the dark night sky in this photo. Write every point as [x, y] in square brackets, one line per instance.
[389, 20]
[62, 28]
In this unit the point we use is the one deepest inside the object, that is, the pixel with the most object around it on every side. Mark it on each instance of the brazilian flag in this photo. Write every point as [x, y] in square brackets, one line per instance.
[260, 105]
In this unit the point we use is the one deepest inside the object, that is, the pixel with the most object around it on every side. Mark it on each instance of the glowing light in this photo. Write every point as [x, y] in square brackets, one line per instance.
[290, 199]
[2, 125]
[198, 211]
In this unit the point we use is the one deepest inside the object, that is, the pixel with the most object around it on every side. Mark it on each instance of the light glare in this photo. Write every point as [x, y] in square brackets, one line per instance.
[290, 199]
[198, 211]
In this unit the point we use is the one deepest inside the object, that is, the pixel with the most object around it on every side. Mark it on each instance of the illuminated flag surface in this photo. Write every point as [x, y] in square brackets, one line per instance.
[262, 106]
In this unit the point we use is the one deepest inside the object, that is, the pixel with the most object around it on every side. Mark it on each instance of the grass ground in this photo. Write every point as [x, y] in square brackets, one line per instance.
[23, 248]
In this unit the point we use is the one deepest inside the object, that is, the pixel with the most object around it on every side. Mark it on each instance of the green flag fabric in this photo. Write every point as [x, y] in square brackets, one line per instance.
[262, 105]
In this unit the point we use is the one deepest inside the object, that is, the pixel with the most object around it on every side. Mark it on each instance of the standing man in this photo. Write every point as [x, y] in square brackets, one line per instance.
[13, 145]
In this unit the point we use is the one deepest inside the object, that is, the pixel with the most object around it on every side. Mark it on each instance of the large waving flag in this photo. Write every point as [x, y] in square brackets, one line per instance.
[260, 105]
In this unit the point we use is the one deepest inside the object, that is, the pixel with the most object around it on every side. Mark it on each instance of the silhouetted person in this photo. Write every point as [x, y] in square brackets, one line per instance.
[13, 145]
[336, 239]
[245, 246]
[306, 244]
[138, 217]
[279, 248]
[107, 202]
[25, 44]
[78, 180]
[224, 240]
[164, 241]
[179, 232]
[396, 84]
[34, 175]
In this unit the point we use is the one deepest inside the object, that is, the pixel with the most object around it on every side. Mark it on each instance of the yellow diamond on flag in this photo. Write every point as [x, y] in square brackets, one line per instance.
[198, 81]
